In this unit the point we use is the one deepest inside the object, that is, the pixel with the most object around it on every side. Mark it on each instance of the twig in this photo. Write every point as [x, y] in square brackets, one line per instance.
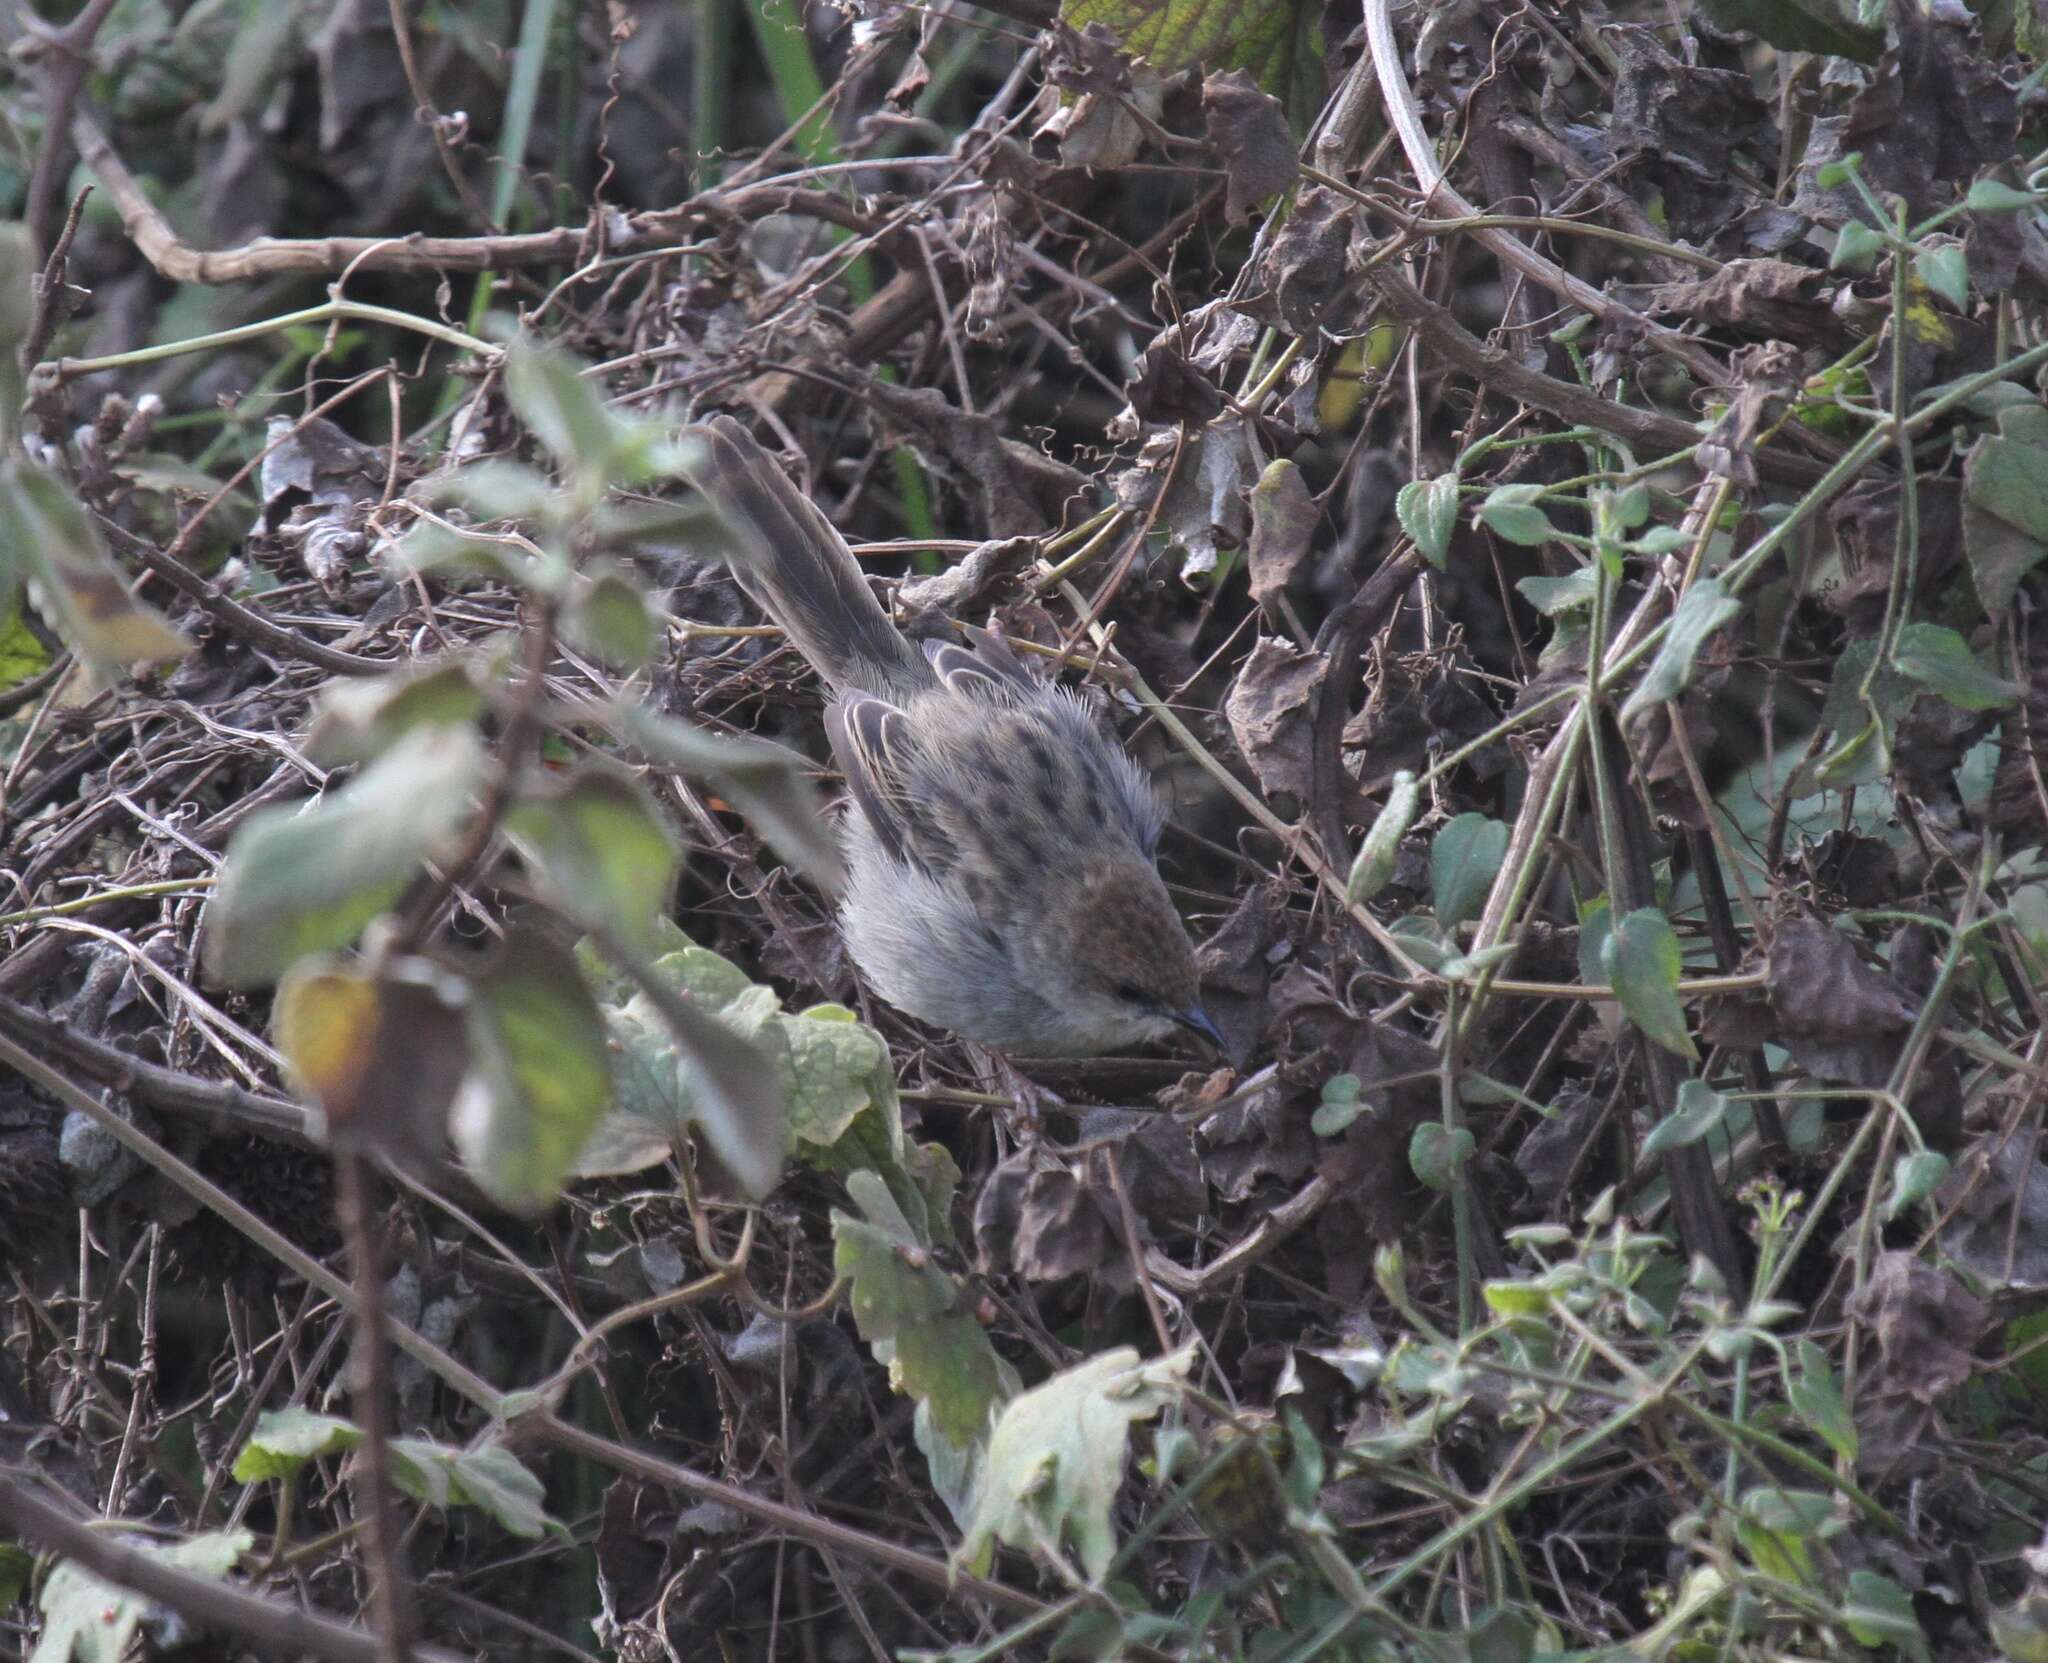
[66, 56]
[284, 1630]
[390, 1588]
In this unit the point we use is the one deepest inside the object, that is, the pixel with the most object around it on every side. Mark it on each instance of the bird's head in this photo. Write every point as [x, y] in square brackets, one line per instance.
[1116, 959]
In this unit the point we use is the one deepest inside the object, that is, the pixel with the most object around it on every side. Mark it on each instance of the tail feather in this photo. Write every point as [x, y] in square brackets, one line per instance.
[799, 569]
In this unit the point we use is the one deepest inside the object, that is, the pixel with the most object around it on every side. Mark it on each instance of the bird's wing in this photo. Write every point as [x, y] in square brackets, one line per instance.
[984, 668]
[871, 741]
[877, 750]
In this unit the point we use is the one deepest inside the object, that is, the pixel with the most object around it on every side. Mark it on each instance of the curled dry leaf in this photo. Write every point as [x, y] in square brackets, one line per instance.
[1926, 1325]
[1248, 131]
[1271, 710]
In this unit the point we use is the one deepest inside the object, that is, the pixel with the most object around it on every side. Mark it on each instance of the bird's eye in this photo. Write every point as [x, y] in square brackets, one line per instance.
[1131, 993]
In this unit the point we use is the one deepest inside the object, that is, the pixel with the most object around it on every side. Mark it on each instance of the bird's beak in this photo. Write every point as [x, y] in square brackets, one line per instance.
[1196, 1021]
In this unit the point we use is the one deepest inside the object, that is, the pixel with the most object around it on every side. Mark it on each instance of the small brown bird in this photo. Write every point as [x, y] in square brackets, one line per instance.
[999, 847]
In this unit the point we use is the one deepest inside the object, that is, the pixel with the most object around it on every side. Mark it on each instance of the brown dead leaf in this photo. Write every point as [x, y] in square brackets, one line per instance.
[1271, 710]
[1249, 133]
[1284, 519]
[1926, 1325]
[1840, 1018]
[1036, 1216]
[1999, 1232]
[1764, 299]
[1304, 275]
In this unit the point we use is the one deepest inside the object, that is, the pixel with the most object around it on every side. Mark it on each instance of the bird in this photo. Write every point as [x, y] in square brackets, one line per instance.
[1000, 848]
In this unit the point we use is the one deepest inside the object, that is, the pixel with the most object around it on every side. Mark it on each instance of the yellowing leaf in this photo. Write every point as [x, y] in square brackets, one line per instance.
[47, 537]
[381, 1055]
[1278, 42]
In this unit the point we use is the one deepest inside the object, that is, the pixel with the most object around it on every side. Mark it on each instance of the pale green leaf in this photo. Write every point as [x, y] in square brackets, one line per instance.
[1374, 867]
[1428, 511]
[1707, 605]
[540, 1074]
[1643, 962]
[1463, 862]
[286, 1439]
[1057, 1456]
[299, 880]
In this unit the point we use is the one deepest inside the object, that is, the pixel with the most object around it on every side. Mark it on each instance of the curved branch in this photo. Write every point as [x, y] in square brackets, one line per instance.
[274, 256]
[1506, 247]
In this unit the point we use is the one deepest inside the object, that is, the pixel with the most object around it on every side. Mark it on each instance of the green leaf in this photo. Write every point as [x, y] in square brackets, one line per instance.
[608, 618]
[1554, 595]
[1374, 867]
[1786, 1512]
[17, 1568]
[1857, 247]
[1706, 606]
[1878, 1612]
[286, 1439]
[23, 655]
[1512, 512]
[1941, 660]
[1700, 1110]
[49, 539]
[769, 785]
[1843, 712]
[494, 489]
[2005, 505]
[1643, 962]
[1428, 512]
[1945, 269]
[681, 1060]
[490, 1479]
[913, 1314]
[1834, 175]
[493, 1479]
[1463, 862]
[600, 849]
[87, 1620]
[1057, 1455]
[1629, 508]
[1437, 1154]
[1661, 540]
[540, 1074]
[835, 1067]
[1340, 1106]
[358, 720]
[1596, 929]
[20, 265]
[1816, 1398]
[1991, 196]
[1916, 1176]
[565, 411]
[1518, 1298]
[298, 881]
[1277, 42]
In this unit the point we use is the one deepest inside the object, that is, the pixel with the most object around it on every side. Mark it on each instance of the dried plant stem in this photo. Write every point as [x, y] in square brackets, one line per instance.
[390, 1588]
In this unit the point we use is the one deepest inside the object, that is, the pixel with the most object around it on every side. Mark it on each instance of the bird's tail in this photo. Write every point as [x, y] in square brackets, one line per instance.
[795, 564]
